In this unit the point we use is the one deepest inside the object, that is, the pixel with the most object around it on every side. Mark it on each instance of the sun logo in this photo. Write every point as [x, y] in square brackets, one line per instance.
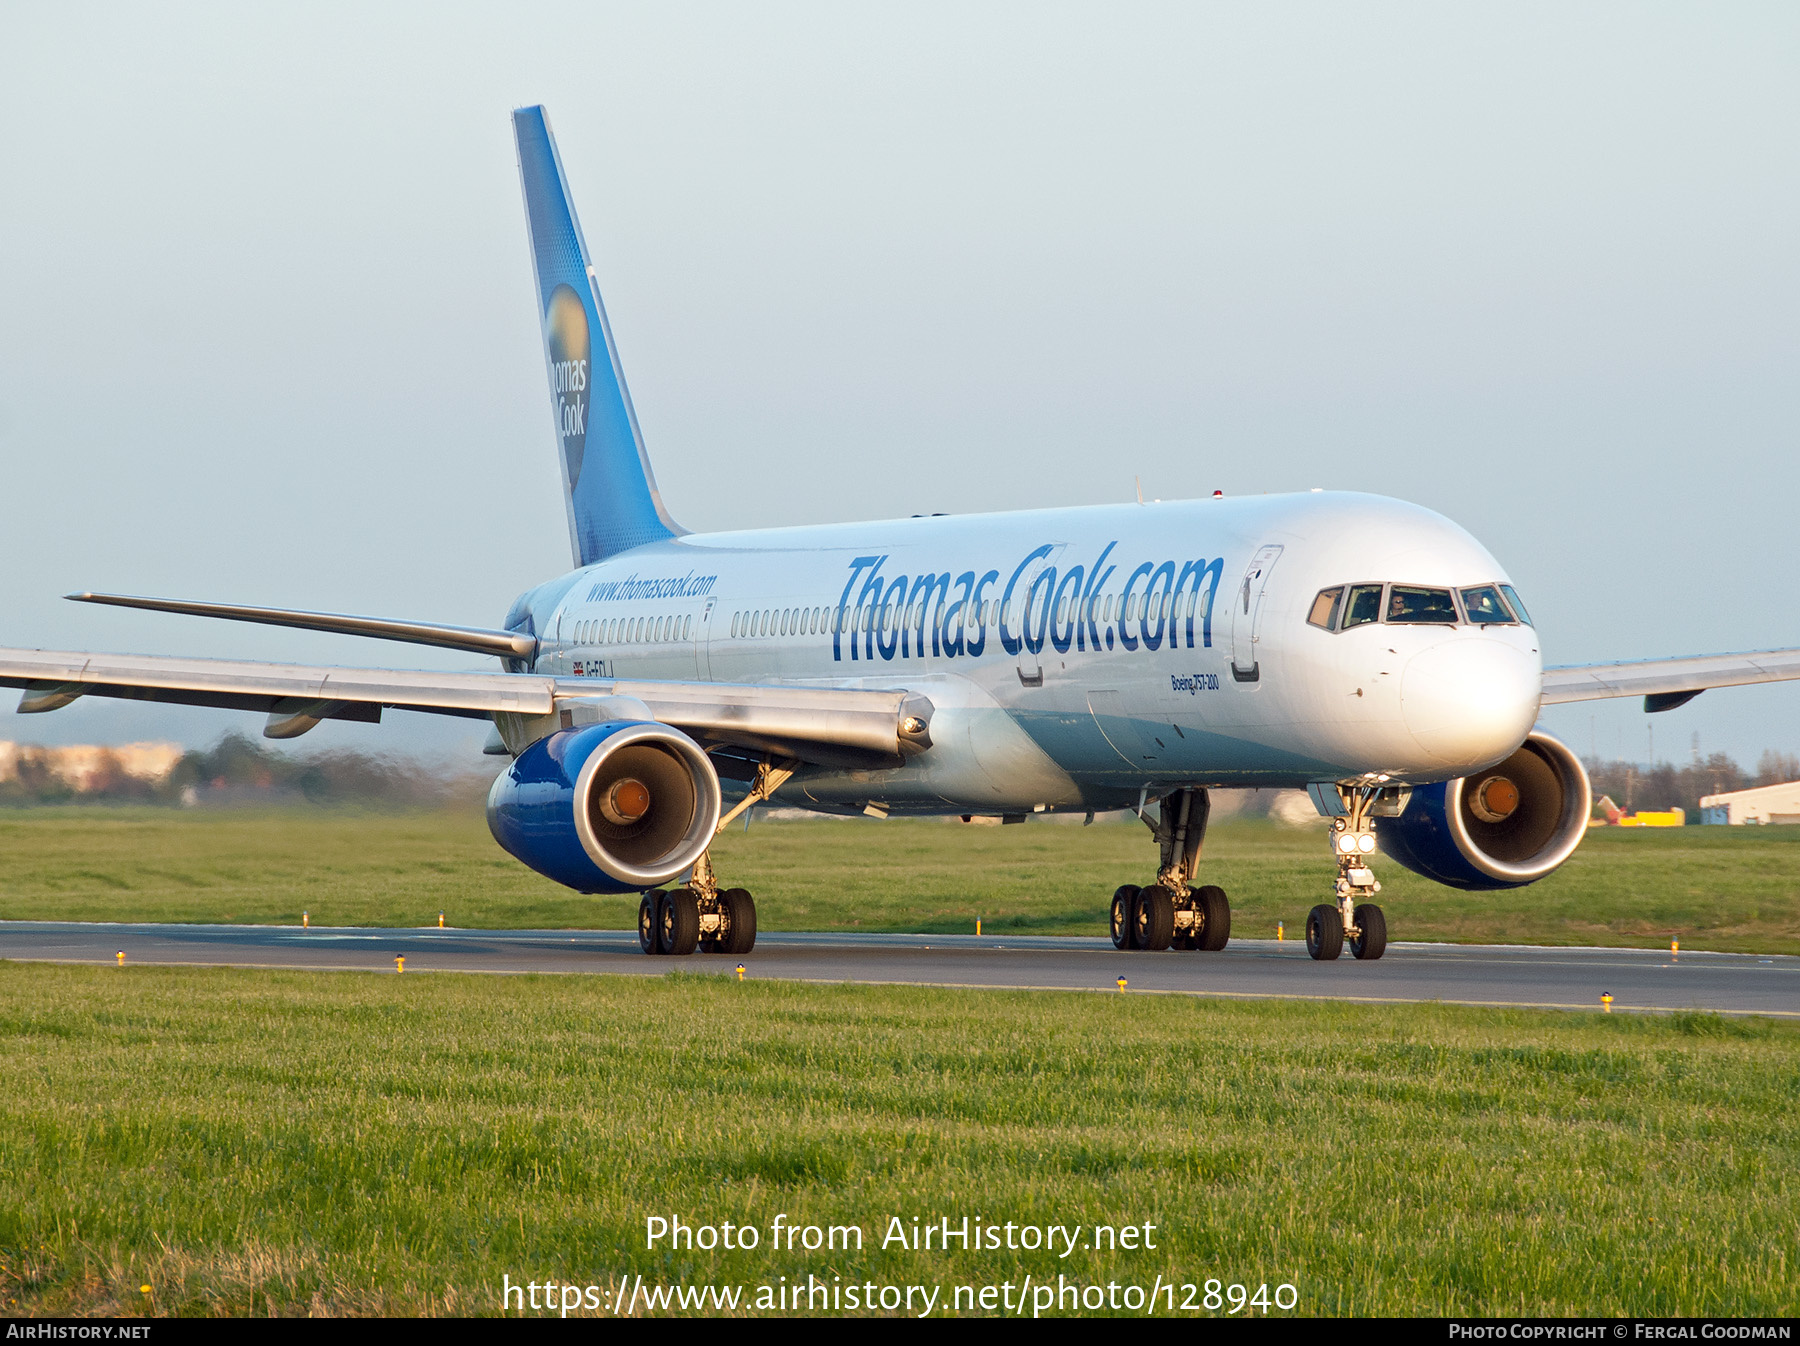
[566, 339]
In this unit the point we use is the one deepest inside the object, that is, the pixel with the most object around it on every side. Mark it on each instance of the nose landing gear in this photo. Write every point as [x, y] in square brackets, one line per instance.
[1168, 913]
[1351, 919]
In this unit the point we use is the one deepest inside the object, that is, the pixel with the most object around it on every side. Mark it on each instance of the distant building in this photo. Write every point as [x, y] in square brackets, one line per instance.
[84, 766]
[1765, 805]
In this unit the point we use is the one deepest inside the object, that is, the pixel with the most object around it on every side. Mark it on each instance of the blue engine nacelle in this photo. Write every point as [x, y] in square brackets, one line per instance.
[608, 808]
[1502, 828]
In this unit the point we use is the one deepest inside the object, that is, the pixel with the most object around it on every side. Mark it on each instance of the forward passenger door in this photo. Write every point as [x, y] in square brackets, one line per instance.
[1246, 614]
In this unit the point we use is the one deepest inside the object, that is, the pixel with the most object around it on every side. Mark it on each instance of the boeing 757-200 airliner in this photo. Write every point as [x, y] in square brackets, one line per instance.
[1064, 660]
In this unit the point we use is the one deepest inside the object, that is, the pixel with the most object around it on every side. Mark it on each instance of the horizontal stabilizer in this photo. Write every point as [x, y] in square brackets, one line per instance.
[472, 639]
[1659, 680]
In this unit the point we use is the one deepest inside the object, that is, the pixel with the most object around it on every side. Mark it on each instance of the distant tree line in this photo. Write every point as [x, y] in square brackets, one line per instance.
[1633, 786]
[240, 770]
[37, 778]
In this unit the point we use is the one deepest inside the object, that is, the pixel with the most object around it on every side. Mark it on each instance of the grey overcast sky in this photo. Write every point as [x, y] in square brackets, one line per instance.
[266, 331]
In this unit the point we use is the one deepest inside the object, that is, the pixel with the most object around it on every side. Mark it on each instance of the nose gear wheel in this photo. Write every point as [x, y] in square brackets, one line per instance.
[1360, 923]
[1324, 932]
[1370, 939]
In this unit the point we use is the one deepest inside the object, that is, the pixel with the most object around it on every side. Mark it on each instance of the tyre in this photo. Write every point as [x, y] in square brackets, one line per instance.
[679, 929]
[739, 936]
[1215, 923]
[1372, 942]
[1124, 917]
[649, 922]
[1324, 932]
[1155, 923]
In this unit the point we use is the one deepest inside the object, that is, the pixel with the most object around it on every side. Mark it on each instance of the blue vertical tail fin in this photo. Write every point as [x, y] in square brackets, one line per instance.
[612, 498]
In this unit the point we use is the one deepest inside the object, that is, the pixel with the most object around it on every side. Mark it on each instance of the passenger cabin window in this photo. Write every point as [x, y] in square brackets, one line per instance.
[1363, 606]
[1512, 596]
[1407, 604]
[1325, 607]
[1485, 606]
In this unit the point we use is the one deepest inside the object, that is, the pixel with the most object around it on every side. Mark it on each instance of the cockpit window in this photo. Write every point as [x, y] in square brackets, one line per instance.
[1408, 604]
[1512, 596]
[1325, 607]
[1364, 605]
[1485, 606]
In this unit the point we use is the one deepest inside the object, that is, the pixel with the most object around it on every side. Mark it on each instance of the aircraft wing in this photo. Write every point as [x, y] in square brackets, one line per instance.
[1667, 683]
[833, 725]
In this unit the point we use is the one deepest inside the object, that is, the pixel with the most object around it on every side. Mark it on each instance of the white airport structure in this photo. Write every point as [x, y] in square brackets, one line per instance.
[1765, 805]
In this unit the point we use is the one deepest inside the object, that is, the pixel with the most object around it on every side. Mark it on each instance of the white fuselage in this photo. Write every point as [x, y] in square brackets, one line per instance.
[1075, 657]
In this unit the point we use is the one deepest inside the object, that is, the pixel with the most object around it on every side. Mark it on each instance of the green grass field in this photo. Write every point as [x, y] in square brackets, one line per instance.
[254, 1141]
[1714, 888]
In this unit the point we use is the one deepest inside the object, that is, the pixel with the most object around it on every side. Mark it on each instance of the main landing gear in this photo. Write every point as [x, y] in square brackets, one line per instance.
[1170, 914]
[701, 915]
[1351, 919]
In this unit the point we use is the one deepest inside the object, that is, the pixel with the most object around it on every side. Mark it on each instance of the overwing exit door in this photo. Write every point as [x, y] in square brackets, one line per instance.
[703, 642]
[1246, 614]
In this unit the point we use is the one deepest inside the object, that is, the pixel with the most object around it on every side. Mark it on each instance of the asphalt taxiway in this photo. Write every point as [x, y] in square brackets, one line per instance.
[1464, 974]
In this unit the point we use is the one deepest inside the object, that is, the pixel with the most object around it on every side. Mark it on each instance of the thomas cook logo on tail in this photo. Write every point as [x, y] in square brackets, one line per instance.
[566, 337]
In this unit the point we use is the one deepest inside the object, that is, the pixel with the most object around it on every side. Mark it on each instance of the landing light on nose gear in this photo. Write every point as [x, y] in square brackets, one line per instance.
[1352, 918]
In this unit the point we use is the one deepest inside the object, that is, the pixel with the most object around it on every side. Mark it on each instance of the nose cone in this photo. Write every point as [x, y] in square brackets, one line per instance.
[1468, 703]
